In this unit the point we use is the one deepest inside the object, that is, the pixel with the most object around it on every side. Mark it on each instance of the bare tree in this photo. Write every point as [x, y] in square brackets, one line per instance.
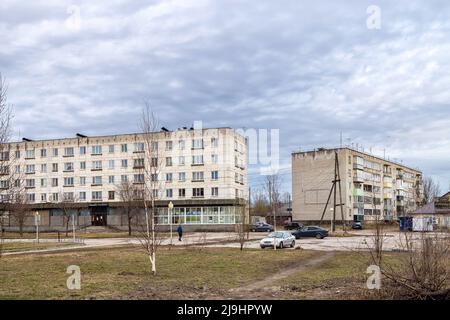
[5, 157]
[242, 224]
[152, 186]
[272, 188]
[67, 205]
[128, 194]
[423, 269]
[260, 203]
[19, 208]
[431, 189]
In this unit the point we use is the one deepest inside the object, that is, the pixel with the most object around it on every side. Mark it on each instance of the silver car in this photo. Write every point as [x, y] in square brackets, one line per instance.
[280, 239]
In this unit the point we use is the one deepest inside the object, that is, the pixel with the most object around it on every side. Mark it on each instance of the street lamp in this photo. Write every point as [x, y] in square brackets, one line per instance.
[331, 219]
[170, 217]
[37, 221]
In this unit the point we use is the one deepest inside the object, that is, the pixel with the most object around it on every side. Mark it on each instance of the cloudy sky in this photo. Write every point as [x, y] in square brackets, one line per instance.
[311, 69]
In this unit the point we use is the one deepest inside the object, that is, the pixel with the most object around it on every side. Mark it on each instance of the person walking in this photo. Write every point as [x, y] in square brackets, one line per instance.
[180, 232]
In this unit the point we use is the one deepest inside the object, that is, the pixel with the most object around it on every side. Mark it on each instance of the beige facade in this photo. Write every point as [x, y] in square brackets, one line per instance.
[203, 172]
[371, 186]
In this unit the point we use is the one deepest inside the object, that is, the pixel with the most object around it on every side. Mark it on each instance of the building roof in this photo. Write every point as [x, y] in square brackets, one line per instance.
[358, 151]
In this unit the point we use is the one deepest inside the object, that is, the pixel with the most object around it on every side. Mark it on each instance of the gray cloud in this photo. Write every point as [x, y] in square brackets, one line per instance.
[310, 69]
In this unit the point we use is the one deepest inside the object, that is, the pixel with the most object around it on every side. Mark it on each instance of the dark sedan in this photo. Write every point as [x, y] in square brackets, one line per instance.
[293, 226]
[316, 232]
[357, 226]
[262, 227]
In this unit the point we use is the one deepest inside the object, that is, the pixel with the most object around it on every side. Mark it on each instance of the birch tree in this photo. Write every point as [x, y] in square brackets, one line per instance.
[152, 187]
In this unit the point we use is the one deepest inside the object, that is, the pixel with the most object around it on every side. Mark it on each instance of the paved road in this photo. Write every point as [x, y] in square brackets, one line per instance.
[360, 240]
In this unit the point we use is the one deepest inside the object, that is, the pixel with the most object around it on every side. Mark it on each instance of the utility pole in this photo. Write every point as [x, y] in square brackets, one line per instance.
[333, 190]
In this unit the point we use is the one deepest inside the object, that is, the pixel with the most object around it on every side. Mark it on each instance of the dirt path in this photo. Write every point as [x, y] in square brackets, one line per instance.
[255, 290]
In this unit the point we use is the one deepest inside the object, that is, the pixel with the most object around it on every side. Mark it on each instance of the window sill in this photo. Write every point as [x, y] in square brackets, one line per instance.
[198, 180]
[96, 184]
[96, 169]
[68, 156]
[197, 164]
[68, 186]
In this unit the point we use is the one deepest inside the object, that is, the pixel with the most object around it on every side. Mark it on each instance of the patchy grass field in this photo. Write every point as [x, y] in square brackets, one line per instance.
[185, 273]
[124, 273]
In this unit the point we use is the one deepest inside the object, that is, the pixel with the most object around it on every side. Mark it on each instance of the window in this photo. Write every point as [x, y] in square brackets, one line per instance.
[111, 148]
[43, 153]
[123, 178]
[82, 196]
[181, 145]
[82, 181]
[68, 152]
[111, 195]
[182, 193]
[198, 192]
[197, 160]
[29, 183]
[4, 184]
[54, 167]
[82, 150]
[54, 182]
[31, 197]
[55, 197]
[138, 163]
[154, 177]
[214, 159]
[182, 176]
[17, 154]
[197, 176]
[68, 181]
[44, 168]
[215, 192]
[111, 179]
[181, 160]
[43, 197]
[123, 148]
[17, 168]
[68, 166]
[29, 168]
[169, 177]
[154, 146]
[111, 164]
[169, 145]
[138, 178]
[214, 175]
[55, 152]
[124, 163]
[169, 193]
[97, 180]
[169, 161]
[154, 162]
[139, 147]
[96, 150]
[43, 183]
[214, 142]
[155, 193]
[197, 143]
[96, 165]
[29, 154]
[96, 195]
[83, 165]
[68, 196]
[4, 156]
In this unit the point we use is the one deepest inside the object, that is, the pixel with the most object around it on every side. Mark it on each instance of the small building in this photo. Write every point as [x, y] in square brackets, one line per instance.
[437, 212]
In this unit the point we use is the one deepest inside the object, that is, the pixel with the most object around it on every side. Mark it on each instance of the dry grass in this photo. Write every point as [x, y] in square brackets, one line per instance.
[124, 272]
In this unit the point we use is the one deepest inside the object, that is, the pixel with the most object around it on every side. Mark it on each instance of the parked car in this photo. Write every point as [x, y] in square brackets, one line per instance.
[293, 226]
[317, 232]
[357, 225]
[262, 227]
[280, 239]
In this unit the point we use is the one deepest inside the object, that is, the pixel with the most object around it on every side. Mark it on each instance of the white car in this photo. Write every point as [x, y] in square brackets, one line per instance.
[282, 239]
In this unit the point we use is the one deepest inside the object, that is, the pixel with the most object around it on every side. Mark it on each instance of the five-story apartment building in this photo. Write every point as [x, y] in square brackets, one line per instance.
[371, 186]
[203, 172]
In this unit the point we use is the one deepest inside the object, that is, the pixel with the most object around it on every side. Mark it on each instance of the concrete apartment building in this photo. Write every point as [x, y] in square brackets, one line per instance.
[370, 185]
[203, 173]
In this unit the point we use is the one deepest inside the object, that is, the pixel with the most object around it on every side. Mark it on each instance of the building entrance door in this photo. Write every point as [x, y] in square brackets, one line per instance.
[99, 216]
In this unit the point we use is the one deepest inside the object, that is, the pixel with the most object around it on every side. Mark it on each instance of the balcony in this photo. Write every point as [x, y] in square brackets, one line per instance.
[387, 195]
[357, 177]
